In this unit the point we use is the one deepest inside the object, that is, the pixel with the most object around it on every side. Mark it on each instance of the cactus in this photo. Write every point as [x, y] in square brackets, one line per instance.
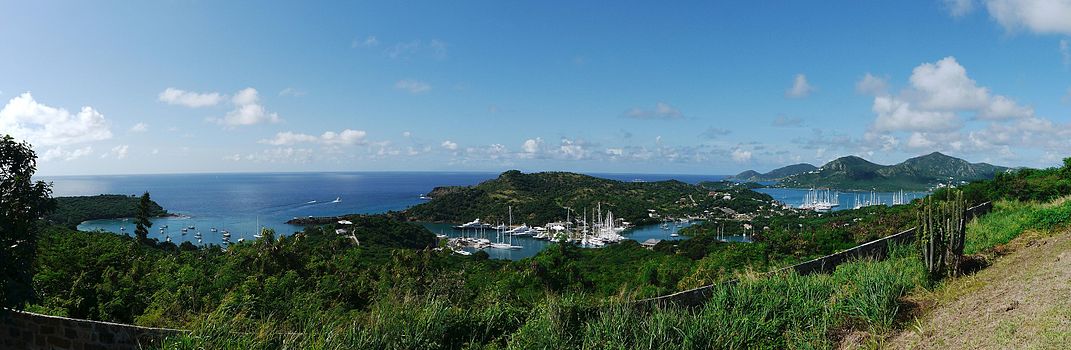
[942, 225]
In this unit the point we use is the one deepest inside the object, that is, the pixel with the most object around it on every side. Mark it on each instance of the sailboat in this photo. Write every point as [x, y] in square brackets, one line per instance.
[337, 200]
[503, 234]
[260, 231]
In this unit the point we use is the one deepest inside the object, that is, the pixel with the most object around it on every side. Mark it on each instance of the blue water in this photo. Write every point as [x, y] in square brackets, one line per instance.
[237, 202]
[794, 196]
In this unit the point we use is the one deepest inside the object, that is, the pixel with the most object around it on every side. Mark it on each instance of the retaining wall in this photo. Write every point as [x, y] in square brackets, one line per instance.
[27, 330]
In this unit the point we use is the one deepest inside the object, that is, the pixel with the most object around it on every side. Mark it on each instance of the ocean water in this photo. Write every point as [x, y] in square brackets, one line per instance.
[238, 202]
[795, 196]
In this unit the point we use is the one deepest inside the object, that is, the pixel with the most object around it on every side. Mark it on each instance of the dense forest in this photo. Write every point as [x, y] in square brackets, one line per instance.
[71, 211]
[540, 198]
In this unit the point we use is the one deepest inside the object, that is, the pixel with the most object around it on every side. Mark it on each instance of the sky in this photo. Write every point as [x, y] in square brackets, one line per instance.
[121, 87]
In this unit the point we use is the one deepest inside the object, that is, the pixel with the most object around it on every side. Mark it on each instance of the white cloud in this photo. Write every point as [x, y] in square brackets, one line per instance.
[1001, 107]
[413, 86]
[292, 92]
[662, 110]
[247, 110]
[959, 8]
[740, 155]
[450, 145]
[871, 85]
[574, 149]
[1038, 16]
[190, 99]
[119, 152]
[894, 114]
[42, 125]
[532, 145]
[281, 155]
[1065, 52]
[406, 134]
[369, 41]
[406, 50]
[800, 87]
[60, 153]
[139, 127]
[345, 137]
[945, 86]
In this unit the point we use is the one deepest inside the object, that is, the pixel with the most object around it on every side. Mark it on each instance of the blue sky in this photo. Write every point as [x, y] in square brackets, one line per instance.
[703, 87]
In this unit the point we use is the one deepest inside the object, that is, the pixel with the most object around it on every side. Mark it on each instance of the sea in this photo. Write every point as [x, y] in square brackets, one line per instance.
[238, 202]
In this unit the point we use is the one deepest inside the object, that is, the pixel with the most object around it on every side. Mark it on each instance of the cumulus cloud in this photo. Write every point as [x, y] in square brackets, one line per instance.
[740, 155]
[800, 87]
[532, 147]
[345, 137]
[247, 110]
[871, 85]
[450, 145]
[1038, 16]
[119, 152]
[895, 114]
[574, 149]
[944, 85]
[662, 111]
[139, 127]
[42, 125]
[412, 86]
[59, 153]
[173, 96]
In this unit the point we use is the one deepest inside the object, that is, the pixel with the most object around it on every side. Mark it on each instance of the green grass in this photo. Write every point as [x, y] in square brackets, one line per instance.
[1009, 219]
[781, 311]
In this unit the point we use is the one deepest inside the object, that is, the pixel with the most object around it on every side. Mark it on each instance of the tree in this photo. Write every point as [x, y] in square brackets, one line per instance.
[142, 219]
[23, 203]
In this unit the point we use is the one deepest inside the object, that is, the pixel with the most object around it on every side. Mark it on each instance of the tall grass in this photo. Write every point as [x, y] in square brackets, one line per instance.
[1009, 219]
[779, 311]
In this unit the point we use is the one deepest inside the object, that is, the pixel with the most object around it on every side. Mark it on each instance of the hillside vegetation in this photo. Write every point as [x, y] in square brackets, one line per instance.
[773, 175]
[540, 198]
[71, 211]
[916, 174]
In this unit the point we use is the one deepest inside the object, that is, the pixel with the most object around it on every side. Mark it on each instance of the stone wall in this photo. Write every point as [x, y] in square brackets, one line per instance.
[27, 330]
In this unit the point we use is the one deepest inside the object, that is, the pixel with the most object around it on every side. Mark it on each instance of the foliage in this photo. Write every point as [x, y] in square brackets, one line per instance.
[141, 219]
[22, 202]
[781, 311]
[941, 232]
[915, 174]
[1010, 218]
[543, 197]
[71, 211]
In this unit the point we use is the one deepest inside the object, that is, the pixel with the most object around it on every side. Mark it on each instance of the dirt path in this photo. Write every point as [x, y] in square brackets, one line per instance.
[1022, 301]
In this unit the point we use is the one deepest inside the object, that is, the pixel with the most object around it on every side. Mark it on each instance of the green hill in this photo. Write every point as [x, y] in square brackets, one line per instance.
[539, 198]
[915, 174]
[70, 211]
[773, 175]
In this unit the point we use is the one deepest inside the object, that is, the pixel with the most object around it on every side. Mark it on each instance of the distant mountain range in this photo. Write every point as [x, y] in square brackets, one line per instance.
[915, 174]
[773, 175]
